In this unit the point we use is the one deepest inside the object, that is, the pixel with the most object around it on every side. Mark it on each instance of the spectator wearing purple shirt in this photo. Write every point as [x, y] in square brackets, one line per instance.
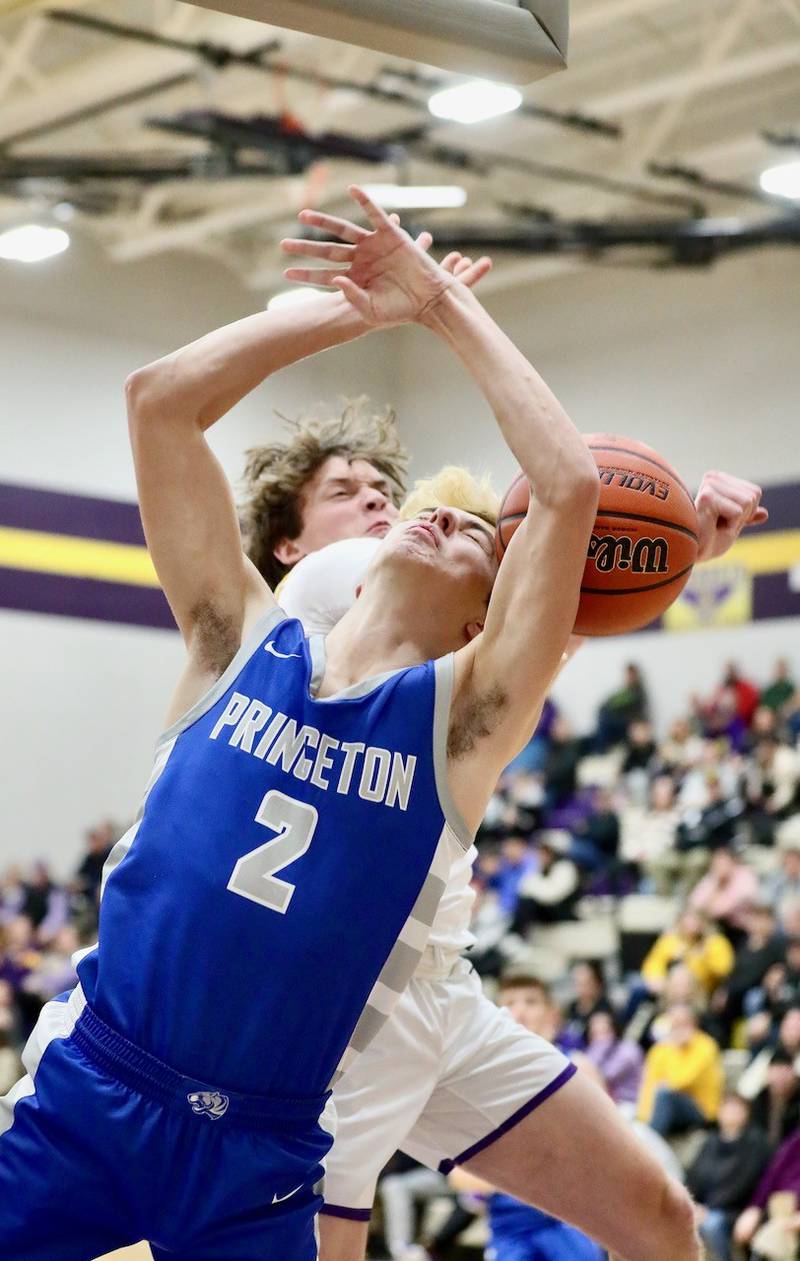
[618, 1061]
[782, 1174]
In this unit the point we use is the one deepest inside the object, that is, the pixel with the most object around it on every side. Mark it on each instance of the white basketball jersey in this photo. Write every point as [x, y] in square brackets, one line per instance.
[318, 591]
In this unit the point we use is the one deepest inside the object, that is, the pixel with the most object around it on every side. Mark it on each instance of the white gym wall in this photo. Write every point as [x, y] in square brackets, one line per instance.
[702, 365]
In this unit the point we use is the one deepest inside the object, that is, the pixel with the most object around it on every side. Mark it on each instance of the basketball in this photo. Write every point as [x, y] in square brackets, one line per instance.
[644, 542]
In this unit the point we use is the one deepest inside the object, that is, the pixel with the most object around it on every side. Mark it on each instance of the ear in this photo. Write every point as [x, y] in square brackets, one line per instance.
[471, 630]
[288, 551]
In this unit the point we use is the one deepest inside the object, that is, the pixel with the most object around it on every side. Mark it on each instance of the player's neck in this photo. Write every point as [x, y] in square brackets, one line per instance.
[381, 632]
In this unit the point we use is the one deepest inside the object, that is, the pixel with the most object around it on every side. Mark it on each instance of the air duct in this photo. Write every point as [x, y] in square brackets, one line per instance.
[515, 41]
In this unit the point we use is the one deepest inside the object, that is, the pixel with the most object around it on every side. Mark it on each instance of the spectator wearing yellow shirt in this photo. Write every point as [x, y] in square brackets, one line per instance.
[683, 1077]
[697, 945]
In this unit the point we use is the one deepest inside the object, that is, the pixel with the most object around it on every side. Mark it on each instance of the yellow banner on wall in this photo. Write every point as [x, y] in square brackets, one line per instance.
[715, 595]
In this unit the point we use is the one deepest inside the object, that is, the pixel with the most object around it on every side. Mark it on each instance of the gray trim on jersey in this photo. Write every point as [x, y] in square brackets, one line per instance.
[400, 967]
[163, 751]
[370, 1023]
[405, 955]
[444, 669]
[318, 666]
[56, 1020]
[248, 646]
[427, 904]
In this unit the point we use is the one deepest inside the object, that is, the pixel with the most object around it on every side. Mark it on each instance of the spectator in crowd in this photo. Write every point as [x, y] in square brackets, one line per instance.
[639, 747]
[694, 942]
[618, 1061]
[683, 1077]
[12, 894]
[782, 1174]
[100, 840]
[54, 973]
[595, 840]
[648, 836]
[776, 1109]
[548, 894]
[783, 886]
[405, 1190]
[716, 824]
[785, 1036]
[18, 953]
[517, 861]
[651, 1020]
[530, 1001]
[625, 706]
[731, 707]
[779, 990]
[771, 782]
[781, 688]
[762, 948]
[727, 893]
[9, 1026]
[791, 716]
[682, 749]
[561, 766]
[589, 988]
[44, 903]
[717, 761]
[726, 1173]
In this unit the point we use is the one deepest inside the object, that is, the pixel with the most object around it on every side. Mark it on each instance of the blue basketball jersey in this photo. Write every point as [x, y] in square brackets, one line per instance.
[273, 898]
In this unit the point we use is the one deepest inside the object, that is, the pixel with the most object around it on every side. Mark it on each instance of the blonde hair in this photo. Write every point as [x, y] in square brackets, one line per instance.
[454, 487]
[276, 475]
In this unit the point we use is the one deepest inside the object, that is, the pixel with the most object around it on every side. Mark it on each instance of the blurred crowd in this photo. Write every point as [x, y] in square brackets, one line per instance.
[691, 1022]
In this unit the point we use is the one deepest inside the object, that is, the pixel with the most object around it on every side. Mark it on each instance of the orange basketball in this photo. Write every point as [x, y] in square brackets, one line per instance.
[644, 541]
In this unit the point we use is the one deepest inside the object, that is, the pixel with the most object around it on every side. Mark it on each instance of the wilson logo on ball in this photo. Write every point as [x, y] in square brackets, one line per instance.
[642, 556]
[611, 475]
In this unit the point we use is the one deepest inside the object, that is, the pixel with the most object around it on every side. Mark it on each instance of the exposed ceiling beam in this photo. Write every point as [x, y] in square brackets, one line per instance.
[600, 16]
[17, 63]
[723, 38]
[749, 66]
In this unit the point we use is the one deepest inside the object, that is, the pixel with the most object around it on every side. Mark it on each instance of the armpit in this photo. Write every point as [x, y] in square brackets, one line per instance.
[216, 638]
[474, 719]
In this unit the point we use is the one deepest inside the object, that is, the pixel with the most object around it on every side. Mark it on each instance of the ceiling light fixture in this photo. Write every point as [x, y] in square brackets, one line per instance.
[783, 180]
[474, 101]
[31, 243]
[417, 196]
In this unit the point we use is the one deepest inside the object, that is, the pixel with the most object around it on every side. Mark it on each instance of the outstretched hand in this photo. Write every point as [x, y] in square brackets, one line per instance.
[386, 276]
[726, 505]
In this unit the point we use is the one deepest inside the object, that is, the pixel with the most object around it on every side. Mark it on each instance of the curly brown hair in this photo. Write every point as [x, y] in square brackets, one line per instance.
[276, 474]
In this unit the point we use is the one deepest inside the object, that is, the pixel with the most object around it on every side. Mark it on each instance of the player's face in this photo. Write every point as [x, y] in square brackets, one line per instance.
[456, 546]
[345, 499]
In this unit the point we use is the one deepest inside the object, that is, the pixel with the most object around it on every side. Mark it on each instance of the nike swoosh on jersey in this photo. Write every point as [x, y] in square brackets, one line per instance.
[282, 656]
[278, 1199]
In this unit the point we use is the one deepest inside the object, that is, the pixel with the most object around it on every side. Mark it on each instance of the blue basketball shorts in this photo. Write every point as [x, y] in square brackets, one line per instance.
[559, 1243]
[101, 1146]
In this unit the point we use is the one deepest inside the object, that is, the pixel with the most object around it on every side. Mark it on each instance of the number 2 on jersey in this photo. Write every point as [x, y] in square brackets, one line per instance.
[254, 876]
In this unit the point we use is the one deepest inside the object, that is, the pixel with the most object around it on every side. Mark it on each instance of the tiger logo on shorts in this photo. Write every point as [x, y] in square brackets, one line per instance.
[209, 1103]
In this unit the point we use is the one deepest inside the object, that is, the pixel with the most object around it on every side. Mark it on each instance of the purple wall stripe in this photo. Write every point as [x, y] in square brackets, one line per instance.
[31, 592]
[55, 512]
[783, 501]
[773, 597]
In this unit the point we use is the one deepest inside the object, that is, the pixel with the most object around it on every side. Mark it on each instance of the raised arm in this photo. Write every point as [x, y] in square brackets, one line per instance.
[186, 500]
[509, 668]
